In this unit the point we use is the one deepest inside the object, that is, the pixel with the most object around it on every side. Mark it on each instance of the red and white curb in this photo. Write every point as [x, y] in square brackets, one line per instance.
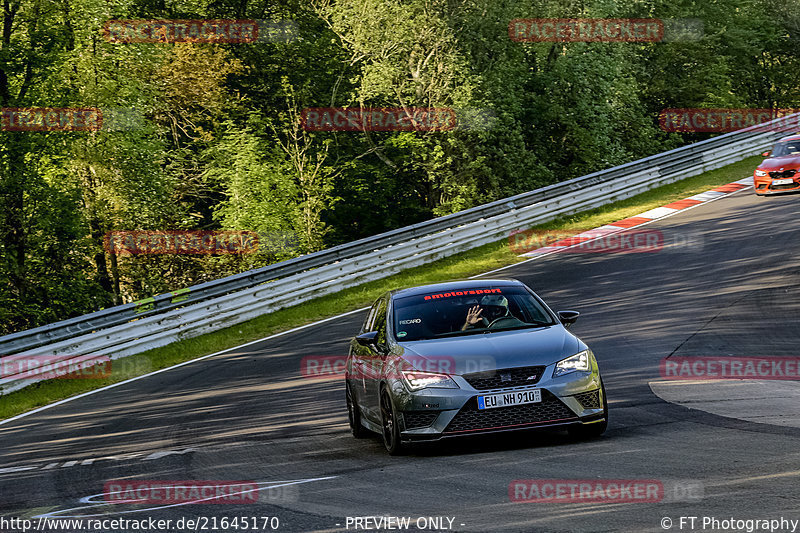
[642, 219]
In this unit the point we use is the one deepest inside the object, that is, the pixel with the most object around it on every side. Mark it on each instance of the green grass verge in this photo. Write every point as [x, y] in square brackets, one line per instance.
[470, 263]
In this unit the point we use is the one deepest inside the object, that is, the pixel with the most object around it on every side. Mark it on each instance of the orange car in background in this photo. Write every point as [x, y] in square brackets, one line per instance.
[780, 172]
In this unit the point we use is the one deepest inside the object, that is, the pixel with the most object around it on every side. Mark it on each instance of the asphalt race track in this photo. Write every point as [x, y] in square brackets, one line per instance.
[249, 415]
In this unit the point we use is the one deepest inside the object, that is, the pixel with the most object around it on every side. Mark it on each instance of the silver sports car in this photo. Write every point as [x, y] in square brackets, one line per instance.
[470, 357]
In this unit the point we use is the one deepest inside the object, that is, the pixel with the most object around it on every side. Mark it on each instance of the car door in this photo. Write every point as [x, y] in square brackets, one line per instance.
[373, 360]
[359, 357]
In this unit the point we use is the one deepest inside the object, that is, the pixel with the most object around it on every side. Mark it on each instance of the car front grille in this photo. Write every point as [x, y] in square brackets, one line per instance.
[589, 400]
[775, 174]
[419, 419]
[550, 409]
[509, 377]
[782, 187]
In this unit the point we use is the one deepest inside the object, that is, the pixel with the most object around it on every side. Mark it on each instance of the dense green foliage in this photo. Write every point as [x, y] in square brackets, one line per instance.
[218, 142]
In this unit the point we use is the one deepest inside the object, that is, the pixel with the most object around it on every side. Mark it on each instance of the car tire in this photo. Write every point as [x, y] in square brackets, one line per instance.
[389, 423]
[592, 431]
[354, 416]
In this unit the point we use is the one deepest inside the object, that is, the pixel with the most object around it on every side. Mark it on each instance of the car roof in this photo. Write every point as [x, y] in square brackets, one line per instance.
[456, 285]
[790, 138]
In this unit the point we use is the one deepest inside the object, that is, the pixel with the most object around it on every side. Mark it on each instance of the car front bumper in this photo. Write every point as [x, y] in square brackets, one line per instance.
[764, 185]
[433, 414]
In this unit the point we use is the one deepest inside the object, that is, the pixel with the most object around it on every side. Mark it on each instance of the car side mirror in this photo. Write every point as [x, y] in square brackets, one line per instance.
[568, 317]
[367, 339]
[766, 154]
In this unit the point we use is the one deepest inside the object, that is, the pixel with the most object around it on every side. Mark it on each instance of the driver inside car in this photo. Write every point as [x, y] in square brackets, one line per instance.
[491, 307]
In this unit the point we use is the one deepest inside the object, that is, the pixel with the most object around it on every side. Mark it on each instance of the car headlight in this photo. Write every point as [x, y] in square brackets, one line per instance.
[416, 380]
[579, 361]
[760, 173]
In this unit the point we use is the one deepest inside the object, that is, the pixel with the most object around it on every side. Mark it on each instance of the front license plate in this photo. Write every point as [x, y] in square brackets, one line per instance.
[510, 398]
[786, 181]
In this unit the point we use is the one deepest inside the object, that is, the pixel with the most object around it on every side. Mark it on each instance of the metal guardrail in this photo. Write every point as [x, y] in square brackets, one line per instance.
[136, 327]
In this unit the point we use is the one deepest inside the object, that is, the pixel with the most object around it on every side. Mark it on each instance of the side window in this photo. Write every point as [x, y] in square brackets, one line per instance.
[380, 322]
[370, 318]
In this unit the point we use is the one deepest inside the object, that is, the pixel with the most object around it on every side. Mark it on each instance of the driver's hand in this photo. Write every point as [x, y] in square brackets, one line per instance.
[473, 317]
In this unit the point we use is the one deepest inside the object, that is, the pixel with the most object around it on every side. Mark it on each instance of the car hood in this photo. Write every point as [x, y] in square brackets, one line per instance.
[496, 350]
[786, 162]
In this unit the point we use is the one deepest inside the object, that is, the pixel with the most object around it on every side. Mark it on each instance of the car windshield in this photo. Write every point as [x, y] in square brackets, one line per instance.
[467, 311]
[786, 148]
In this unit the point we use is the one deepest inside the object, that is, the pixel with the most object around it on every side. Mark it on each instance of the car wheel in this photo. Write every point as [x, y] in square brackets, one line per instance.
[391, 429]
[354, 415]
[592, 431]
